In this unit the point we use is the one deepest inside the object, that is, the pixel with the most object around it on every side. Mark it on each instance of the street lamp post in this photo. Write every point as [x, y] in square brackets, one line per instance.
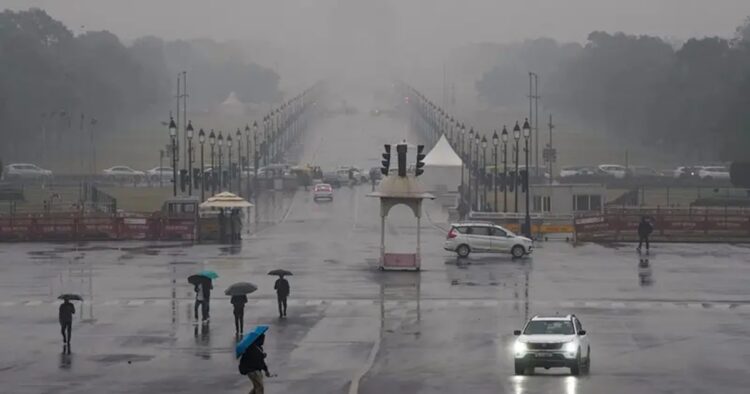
[516, 137]
[189, 135]
[202, 140]
[495, 142]
[504, 137]
[240, 164]
[478, 197]
[462, 131]
[247, 160]
[212, 142]
[229, 162]
[220, 142]
[483, 200]
[256, 163]
[526, 135]
[469, 169]
[173, 138]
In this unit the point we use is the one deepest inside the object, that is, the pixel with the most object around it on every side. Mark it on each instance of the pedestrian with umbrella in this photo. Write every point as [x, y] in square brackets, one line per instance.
[253, 358]
[203, 284]
[239, 292]
[282, 289]
[67, 310]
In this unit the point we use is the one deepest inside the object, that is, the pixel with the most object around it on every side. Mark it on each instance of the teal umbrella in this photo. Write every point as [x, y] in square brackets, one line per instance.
[248, 340]
[209, 274]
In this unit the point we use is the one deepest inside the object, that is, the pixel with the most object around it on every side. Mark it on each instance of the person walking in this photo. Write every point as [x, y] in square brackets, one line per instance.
[202, 298]
[238, 302]
[282, 292]
[253, 364]
[67, 310]
[644, 231]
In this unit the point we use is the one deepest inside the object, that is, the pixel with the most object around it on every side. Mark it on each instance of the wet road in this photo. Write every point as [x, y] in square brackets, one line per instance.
[679, 326]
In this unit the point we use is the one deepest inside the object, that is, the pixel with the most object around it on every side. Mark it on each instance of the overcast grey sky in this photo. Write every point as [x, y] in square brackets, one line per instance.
[450, 21]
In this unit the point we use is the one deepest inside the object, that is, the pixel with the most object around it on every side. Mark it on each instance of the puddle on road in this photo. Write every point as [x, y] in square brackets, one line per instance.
[120, 358]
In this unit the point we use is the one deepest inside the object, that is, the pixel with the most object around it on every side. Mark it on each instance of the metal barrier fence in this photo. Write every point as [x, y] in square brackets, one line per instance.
[670, 224]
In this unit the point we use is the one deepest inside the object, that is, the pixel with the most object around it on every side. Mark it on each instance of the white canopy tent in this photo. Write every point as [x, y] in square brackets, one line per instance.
[442, 170]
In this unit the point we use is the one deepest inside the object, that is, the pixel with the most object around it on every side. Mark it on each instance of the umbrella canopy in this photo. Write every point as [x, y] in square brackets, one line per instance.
[209, 274]
[240, 288]
[73, 297]
[280, 272]
[197, 279]
[248, 340]
[226, 200]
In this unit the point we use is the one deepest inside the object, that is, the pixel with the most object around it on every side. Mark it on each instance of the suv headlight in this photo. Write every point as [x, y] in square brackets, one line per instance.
[571, 347]
[519, 348]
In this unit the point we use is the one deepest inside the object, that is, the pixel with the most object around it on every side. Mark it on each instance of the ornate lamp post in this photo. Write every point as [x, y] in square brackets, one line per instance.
[462, 132]
[470, 168]
[526, 136]
[229, 162]
[173, 138]
[189, 135]
[220, 142]
[240, 165]
[212, 143]
[495, 143]
[483, 171]
[477, 198]
[504, 137]
[516, 137]
[202, 140]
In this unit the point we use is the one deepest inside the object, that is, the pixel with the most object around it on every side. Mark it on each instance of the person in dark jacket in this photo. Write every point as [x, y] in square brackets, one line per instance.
[67, 310]
[202, 298]
[253, 364]
[282, 292]
[644, 230]
[238, 302]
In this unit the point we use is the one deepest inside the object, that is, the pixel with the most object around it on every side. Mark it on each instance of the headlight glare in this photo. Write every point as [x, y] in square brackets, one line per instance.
[571, 347]
[519, 347]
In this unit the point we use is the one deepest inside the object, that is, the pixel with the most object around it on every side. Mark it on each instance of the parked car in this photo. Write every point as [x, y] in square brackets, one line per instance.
[714, 172]
[322, 191]
[614, 170]
[552, 342]
[25, 171]
[160, 173]
[572, 171]
[123, 173]
[477, 237]
[684, 172]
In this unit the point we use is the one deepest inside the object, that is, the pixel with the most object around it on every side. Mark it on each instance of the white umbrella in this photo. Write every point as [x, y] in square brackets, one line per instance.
[226, 200]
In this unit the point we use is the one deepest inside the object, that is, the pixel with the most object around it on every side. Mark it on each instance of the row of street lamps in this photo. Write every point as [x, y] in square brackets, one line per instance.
[433, 122]
[281, 127]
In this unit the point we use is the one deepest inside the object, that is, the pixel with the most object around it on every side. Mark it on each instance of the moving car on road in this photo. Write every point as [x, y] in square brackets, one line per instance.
[478, 237]
[160, 173]
[322, 191]
[572, 171]
[714, 172]
[123, 173]
[25, 171]
[614, 170]
[552, 342]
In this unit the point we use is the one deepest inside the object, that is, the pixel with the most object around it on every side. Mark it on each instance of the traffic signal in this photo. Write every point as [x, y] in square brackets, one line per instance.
[401, 152]
[386, 160]
[420, 163]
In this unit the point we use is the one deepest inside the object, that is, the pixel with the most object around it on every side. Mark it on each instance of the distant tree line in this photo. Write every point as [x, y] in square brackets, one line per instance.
[692, 99]
[53, 83]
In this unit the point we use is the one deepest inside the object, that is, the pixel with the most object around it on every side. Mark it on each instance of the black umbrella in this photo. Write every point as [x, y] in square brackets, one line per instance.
[280, 272]
[70, 297]
[240, 288]
[197, 279]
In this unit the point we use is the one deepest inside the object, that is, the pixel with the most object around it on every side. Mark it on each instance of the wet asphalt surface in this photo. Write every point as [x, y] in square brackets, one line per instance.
[679, 326]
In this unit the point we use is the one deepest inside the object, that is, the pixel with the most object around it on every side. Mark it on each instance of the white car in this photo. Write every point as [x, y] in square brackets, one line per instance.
[714, 172]
[163, 173]
[478, 237]
[566, 172]
[26, 171]
[614, 170]
[687, 171]
[552, 342]
[322, 191]
[123, 173]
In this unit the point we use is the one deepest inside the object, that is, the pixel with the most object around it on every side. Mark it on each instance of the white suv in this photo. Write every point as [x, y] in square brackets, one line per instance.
[477, 237]
[552, 342]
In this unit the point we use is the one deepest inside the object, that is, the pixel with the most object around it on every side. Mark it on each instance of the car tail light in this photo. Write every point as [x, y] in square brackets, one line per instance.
[452, 234]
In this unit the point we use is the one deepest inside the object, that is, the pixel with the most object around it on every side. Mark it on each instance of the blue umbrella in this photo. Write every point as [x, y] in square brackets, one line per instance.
[248, 340]
[209, 274]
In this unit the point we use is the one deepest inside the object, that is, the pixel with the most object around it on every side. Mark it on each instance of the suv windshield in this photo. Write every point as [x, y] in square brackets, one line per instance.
[549, 327]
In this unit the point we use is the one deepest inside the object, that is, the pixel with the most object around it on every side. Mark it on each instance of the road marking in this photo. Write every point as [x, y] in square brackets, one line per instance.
[33, 303]
[354, 386]
[7, 303]
[136, 302]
